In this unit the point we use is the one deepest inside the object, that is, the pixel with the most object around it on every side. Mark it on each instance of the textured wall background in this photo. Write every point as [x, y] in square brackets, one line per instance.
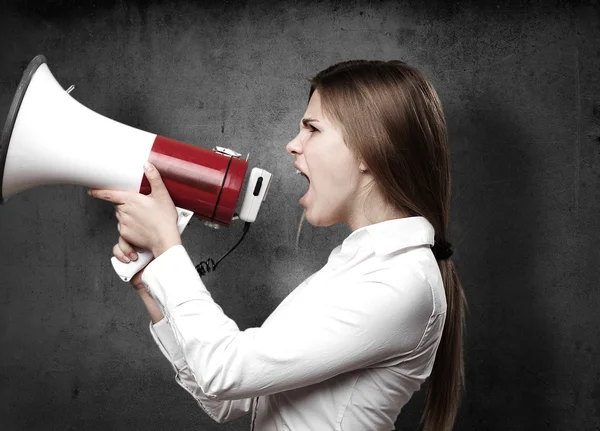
[521, 92]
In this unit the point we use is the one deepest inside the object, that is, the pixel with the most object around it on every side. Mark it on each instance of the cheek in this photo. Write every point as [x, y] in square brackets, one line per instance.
[336, 184]
[331, 169]
[340, 173]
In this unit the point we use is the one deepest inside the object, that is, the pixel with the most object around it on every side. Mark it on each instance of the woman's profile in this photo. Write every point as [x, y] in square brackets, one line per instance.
[350, 345]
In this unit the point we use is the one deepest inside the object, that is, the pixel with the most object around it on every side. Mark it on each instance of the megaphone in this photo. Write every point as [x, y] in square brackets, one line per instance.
[50, 138]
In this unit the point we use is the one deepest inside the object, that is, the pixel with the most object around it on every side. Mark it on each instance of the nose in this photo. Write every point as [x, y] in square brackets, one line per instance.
[294, 147]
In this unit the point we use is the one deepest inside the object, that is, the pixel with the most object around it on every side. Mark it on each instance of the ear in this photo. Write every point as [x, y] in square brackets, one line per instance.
[362, 166]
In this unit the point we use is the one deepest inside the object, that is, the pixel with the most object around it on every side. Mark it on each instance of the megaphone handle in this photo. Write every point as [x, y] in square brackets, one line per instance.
[126, 271]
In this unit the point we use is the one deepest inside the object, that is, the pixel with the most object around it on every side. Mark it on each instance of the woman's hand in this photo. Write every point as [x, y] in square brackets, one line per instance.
[125, 252]
[148, 222]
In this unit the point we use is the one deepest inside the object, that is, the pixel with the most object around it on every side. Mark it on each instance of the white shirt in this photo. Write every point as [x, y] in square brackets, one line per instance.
[345, 350]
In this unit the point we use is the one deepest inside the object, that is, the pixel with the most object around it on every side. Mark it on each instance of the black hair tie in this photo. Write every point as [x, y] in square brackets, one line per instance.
[442, 250]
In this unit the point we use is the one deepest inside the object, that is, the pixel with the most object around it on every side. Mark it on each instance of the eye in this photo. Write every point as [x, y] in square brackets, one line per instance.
[312, 128]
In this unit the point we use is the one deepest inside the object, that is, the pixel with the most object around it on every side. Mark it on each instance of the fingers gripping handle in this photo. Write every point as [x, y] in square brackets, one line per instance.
[127, 270]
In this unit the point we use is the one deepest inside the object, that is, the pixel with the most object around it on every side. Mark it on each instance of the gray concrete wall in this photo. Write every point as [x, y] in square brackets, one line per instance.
[521, 92]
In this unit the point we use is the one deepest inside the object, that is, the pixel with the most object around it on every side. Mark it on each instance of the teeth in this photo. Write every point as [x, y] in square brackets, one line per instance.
[298, 172]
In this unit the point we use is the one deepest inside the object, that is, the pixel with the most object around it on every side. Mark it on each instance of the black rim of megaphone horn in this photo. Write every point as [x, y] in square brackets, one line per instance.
[14, 111]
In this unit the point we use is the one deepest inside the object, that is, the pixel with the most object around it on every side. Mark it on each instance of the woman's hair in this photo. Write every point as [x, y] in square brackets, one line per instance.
[391, 117]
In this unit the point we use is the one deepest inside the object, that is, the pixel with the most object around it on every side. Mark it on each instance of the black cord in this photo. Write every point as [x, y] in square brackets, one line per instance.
[209, 265]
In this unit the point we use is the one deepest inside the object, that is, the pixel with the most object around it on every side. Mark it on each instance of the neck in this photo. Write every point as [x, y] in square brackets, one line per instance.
[370, 211]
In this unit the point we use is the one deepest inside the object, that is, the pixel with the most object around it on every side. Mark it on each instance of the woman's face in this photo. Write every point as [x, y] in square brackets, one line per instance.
[332, 170]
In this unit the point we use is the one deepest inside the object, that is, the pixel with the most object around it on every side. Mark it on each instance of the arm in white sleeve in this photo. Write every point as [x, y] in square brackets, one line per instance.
[317, 336]
[219, 410]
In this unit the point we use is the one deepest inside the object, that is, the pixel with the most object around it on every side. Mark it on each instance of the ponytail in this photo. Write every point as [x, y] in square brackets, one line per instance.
[447, 378]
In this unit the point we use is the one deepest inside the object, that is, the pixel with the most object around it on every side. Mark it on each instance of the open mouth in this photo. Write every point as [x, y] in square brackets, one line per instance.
[299, 172]
[305, 198]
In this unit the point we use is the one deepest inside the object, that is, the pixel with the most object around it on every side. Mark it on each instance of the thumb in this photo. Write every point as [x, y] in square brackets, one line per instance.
[157, 186]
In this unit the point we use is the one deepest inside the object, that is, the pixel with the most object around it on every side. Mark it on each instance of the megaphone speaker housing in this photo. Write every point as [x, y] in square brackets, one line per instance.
[50, 138]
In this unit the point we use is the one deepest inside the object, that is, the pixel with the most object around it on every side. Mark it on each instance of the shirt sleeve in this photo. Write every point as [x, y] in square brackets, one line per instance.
[339, 328]
[219, 410]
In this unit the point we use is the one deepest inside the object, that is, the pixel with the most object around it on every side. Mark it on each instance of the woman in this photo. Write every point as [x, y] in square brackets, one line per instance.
[352, 343]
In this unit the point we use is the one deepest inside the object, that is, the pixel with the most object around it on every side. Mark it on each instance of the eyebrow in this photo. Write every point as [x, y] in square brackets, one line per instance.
[305, 121]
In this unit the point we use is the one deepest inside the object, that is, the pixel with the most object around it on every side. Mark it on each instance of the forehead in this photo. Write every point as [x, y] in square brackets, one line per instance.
[313, 109]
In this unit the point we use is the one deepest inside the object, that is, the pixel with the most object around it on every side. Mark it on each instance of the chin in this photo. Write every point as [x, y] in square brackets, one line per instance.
[320, 220]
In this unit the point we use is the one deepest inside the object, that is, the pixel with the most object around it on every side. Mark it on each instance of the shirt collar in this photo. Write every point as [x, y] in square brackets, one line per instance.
[391, 235]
